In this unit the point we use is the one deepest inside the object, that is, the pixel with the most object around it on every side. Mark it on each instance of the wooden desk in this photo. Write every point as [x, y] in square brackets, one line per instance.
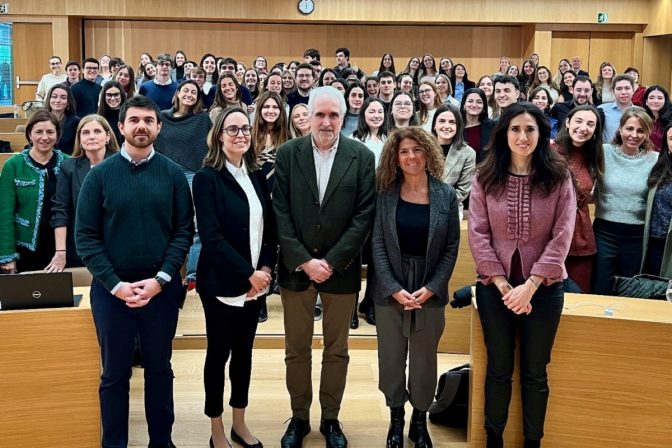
[10, 124]
[16, 140]
[610, 377]
[49, 377]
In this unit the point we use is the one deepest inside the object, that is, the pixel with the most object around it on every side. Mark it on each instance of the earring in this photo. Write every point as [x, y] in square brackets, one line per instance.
[107, 142]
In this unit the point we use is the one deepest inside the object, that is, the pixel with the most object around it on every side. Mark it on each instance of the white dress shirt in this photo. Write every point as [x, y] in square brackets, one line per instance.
[323, 165]
[256, 227]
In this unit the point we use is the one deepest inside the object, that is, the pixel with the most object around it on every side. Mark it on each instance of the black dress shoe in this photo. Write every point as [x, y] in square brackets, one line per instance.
[296, 431]
[318, 313]
[354, 320]
[331, 430]
[236, 438]
[418, 430]
[167, 445]
[263, 311]
[370, 316]
[395, 435]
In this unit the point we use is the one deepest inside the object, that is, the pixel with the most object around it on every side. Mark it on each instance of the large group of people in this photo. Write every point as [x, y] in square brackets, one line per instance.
[292, 174]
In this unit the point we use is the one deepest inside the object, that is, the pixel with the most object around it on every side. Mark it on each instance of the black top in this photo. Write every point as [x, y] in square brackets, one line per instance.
[446, 149]
[412, 227]
[295, 98]
[86, 93]
[66, 141]
[112, 117]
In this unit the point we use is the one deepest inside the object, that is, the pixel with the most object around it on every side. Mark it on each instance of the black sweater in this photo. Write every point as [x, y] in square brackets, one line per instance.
[134, 221]
[86, 93]
[184, 140]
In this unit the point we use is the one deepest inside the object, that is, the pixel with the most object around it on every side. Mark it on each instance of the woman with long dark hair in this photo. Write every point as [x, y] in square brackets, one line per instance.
[61, 104]
[228, 95]
[402, 111]
[126, 77]
[656, 251]
[112, 97]
[657, 105]
[413, 68]
[355, 94]
[477, 125]
[580, 143]
[429, 101]
[521, 217]
[540, 97]
[209, 65]
[460, 159]
[446, 67]
[386, 65]
[459, 81]
[183, 139]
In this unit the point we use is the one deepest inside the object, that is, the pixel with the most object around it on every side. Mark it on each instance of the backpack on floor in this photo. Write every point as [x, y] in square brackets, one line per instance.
[451, 406]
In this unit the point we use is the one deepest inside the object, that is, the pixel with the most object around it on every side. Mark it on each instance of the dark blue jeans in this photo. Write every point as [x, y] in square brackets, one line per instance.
[117, 326]
[537, 333]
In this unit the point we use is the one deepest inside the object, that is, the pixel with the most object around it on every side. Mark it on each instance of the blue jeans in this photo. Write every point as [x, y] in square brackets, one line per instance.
[117, 327]
[537, 334]
[195, 249]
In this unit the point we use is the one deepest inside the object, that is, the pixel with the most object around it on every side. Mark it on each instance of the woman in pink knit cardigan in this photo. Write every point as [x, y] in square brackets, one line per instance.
[521, 221]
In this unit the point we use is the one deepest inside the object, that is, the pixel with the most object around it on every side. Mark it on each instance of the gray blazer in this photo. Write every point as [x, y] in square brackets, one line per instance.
[442, 244]
[458, 171]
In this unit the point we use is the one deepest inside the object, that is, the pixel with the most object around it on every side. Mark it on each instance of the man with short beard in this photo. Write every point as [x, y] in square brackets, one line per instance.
[134, 226]
[582, 89]
[304, 83]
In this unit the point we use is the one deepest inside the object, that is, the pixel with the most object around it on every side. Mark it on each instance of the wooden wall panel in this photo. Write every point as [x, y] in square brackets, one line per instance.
[657, 61]
[351, 11]
[616, 48]
[478, 48]
[32, 47]
[660, 18]
[567, 45]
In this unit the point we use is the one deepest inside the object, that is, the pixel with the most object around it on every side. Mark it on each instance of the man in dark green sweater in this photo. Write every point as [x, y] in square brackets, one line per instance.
[133, 230]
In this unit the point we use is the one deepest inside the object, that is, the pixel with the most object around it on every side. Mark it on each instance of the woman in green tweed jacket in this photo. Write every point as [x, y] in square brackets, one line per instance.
[27, 184]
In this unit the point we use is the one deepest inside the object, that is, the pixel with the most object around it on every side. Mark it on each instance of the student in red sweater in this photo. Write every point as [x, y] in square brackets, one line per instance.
[521, 221]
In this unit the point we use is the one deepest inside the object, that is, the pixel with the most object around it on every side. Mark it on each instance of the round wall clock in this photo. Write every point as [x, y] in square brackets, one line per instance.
[306, 6]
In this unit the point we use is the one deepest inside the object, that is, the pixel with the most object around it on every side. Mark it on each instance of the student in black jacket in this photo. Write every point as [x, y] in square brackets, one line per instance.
[235, 221]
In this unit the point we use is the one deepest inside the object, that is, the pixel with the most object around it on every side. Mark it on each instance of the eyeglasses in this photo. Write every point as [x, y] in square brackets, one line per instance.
[90, 68]
[165, 64]
[233, 131]
[425, 92]
[112, 95]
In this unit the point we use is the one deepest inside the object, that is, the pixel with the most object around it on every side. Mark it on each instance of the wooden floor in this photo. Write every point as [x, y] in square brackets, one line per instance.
[364, 415]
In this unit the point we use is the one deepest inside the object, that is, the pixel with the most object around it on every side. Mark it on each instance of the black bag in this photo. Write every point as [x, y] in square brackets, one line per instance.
[5, 146]
[451, 406]
[643, 286]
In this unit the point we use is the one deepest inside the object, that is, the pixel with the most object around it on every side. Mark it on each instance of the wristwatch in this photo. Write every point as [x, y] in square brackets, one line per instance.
[161, 281]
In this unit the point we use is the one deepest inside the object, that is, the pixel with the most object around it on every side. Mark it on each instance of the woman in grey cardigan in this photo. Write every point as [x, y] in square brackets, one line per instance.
[415, 240]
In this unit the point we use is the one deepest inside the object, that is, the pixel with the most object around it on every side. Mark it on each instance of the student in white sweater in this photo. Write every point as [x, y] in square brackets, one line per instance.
[55, 76]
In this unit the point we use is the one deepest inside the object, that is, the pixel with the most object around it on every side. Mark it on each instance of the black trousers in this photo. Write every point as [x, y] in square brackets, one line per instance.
[118, 328]
[537, 334]
[230, 332]
[619, 252]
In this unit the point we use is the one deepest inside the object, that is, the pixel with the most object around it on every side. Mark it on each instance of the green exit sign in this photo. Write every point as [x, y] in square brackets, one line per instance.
[602, 17]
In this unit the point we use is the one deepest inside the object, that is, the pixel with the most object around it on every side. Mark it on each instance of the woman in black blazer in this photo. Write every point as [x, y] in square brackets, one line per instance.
[94, 141]
[235, 220]
[415, 240]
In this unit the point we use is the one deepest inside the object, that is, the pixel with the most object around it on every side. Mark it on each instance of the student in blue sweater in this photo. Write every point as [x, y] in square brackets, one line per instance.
[162, 88]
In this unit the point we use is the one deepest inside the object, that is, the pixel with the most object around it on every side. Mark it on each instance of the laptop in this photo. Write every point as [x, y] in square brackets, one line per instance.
[36, 290]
